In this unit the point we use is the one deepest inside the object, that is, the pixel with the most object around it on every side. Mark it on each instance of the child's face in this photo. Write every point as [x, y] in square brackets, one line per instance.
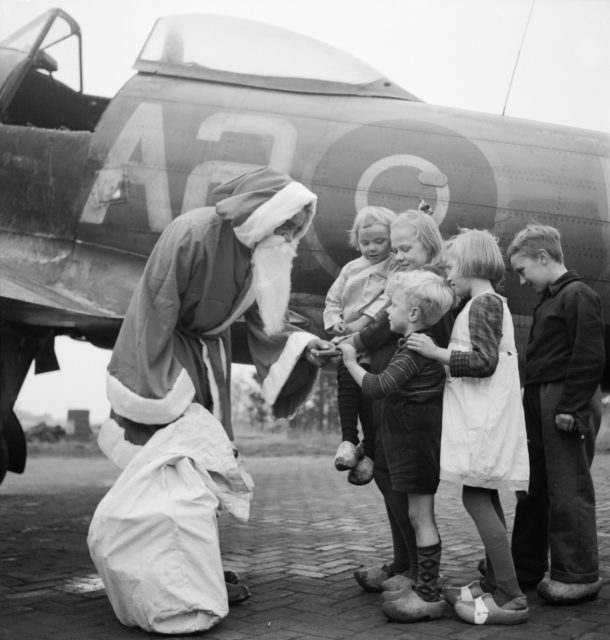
[399, 313]
[409, 252]
[374, 243]
[462, 286]
[534, 272]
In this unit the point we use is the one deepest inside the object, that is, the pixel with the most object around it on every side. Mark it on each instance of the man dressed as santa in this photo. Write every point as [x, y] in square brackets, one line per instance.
[210, 267]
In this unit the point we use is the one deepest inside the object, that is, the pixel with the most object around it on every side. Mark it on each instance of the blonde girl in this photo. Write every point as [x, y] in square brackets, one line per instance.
[483, 443]
[352, 302]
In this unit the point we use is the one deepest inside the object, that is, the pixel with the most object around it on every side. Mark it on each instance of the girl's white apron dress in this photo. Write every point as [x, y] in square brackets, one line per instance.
[483, 442]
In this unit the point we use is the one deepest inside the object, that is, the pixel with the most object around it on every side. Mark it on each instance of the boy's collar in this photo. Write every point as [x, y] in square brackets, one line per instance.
[564, 278]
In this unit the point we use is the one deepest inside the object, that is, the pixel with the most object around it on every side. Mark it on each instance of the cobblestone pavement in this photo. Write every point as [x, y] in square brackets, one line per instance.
[308, 531]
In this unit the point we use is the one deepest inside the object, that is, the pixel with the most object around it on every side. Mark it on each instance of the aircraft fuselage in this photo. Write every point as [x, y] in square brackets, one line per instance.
[95, 203]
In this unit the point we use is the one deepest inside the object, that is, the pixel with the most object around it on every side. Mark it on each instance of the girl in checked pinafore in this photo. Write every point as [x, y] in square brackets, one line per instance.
[483, 442]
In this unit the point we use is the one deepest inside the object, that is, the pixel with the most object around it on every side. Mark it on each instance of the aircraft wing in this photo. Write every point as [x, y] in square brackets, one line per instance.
[24, 290]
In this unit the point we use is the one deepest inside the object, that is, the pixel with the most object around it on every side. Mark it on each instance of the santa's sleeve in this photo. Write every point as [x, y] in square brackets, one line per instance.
[287, 378]
[145, 381]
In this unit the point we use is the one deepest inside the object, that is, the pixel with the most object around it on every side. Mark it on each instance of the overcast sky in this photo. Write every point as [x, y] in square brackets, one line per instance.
[456, 53]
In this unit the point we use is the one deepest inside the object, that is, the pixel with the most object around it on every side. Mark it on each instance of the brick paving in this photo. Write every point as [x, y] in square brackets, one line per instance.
[309, 529]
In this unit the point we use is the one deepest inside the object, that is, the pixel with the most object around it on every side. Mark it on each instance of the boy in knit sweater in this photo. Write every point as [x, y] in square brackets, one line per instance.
[413, 388]
[563, 369]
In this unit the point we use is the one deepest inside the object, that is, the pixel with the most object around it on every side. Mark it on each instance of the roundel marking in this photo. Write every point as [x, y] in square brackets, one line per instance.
[404, 160]
[394, 164]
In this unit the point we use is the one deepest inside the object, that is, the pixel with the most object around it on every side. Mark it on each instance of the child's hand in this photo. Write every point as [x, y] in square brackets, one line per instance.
[338, 329]
[565, 422]
[422, 344]
[348, 351]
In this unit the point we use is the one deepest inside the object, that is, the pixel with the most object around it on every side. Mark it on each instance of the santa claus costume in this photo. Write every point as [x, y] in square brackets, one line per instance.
[210, 267]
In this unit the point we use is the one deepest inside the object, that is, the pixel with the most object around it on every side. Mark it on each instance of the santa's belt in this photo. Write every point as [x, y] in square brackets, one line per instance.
[212, 341]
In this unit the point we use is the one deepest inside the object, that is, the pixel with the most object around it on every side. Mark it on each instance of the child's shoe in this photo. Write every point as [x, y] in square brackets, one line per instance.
[362, 473]
[411, 608]
[347, 456]
[371, 579]
[560, 593]
[397, 582]
[465, 594]
[388, 596]
[484, 610]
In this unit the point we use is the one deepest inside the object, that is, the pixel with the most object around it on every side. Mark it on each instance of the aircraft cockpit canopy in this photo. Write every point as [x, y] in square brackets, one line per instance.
[41, 76]
[228, 49]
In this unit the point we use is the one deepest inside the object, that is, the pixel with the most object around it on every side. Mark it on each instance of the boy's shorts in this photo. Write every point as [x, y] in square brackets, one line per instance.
[411, 438]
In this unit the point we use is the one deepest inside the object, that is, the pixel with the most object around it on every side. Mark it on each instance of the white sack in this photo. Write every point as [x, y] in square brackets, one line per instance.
[154, 538]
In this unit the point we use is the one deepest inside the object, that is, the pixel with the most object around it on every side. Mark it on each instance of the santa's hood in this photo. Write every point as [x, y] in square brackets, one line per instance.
[258, 202]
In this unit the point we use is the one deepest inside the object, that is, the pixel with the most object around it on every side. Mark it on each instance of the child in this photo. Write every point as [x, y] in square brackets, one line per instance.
[416, 243]
[413, 388]
[483, 443]
[563, 368]
[352, 302]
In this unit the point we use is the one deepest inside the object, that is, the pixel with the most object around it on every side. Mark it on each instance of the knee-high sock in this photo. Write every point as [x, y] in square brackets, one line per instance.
[428, 563]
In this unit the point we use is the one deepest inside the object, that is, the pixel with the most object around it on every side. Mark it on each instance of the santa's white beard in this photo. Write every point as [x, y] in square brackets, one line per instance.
[271, 267]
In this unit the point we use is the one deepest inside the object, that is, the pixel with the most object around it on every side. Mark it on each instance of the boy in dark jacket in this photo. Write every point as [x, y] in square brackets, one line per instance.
[562, 402]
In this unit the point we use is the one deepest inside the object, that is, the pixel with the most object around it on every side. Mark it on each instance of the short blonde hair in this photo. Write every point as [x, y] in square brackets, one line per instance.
[535, 238]
[477, 255]
[425, 229]
[424, 289]
[367, 217]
